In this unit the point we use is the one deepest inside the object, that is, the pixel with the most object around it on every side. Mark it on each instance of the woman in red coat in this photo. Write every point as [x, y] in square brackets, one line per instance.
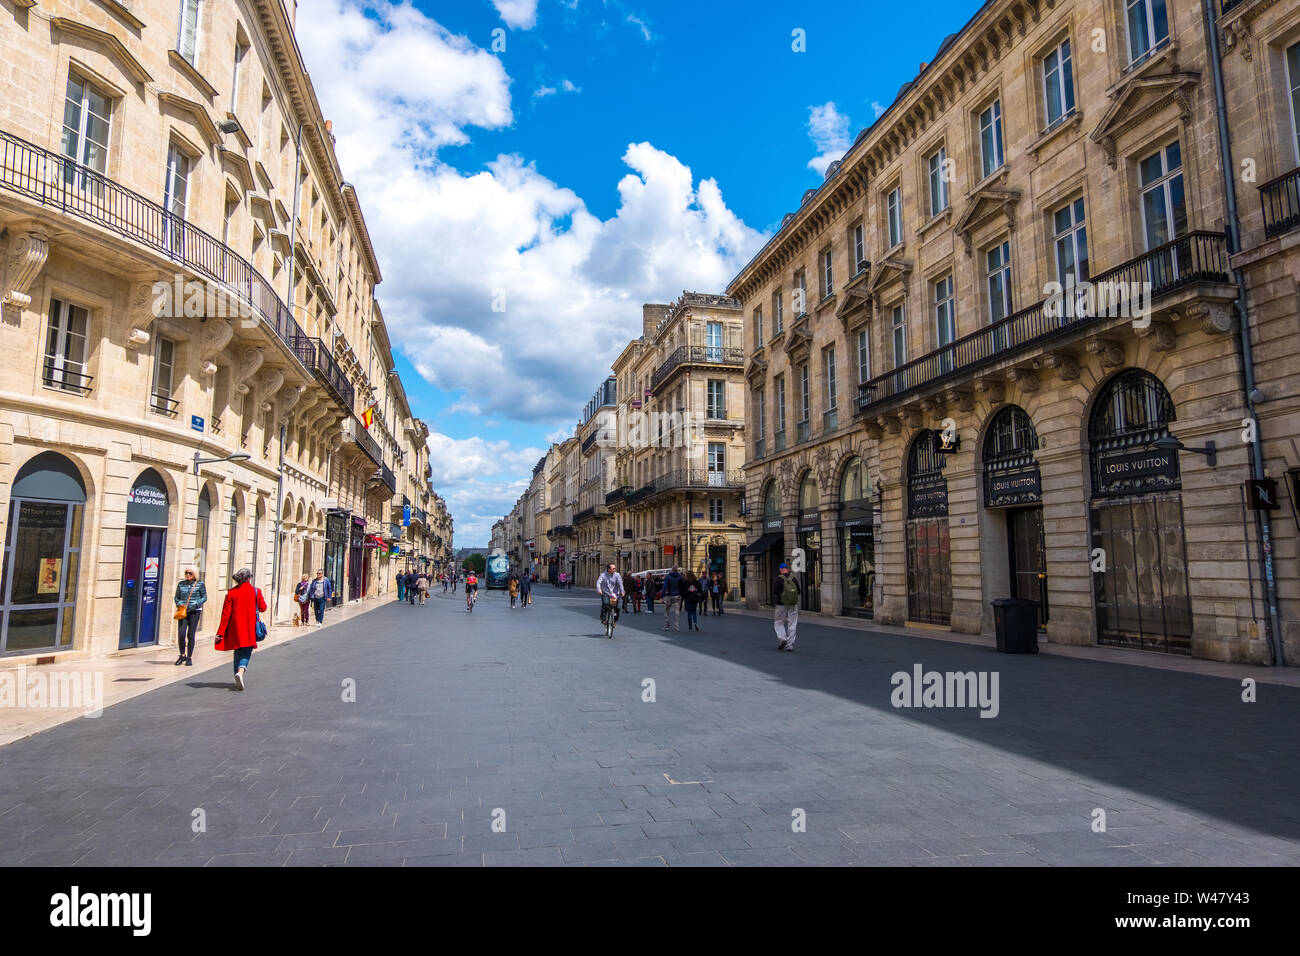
[238, 628]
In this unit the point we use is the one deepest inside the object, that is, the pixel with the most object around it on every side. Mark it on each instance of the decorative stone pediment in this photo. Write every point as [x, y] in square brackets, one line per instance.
[855, 304]
[987, 204]
[22, 264]
[756, 372]
[202, 119]
[893, 269]
[1138, 100]
[107, 44]
[798, 342]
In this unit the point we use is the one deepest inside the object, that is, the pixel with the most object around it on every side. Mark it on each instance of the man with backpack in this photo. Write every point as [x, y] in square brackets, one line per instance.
[785, 597]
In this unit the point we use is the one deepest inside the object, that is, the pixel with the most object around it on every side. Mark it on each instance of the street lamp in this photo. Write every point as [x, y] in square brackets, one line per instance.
[1170, 443]
[237, 456]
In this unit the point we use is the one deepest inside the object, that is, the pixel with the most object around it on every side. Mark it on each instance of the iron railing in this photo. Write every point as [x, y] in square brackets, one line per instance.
[57, 182]
[830, 419]
[617, 495]
[692, 478]
[164, 405]
[330, 373]
[641, 494]
[66, 379]
[696, 355]
[1281, 201]
[802, 431]
[1195, 257]
[778, 441]
[357, 433]
[417, 514]
[760, 447]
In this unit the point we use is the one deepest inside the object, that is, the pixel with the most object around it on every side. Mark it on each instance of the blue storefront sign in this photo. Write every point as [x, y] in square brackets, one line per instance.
[196, 423]
[406, 516]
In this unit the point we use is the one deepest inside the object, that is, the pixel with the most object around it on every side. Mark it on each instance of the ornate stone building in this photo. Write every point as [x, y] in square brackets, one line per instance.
[998, 351]
[188, 310]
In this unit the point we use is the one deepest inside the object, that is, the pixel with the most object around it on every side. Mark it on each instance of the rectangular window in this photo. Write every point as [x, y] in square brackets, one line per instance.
[717, 399]
[65, 347]
[779, 387]
[715, 510]
[991, 139]
[176, 182]
[828, 274]
[713, 336]
[717, 464]
[801, 294]
[864, 357]
[164, 362]
[780, 314]
[1164, 207]
[1148, 27]
[997, 263]
[859, 249]
[804, 398]
[85, 131]
[898, 319]
[1293, 85]
[832, 391]
[188, 43]
[1058, 84]
[241, 49]
[760, 412]
[1070, 240]
[758, 327]
[894, 213]
[944, 320]
[938, 182]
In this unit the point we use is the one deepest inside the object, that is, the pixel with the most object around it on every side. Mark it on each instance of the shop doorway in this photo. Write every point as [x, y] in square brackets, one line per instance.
[809, 531]
[1012, 483]
[929, 567]
[143, 560]
[1028, 558]
[1136, 519]
[856, 526]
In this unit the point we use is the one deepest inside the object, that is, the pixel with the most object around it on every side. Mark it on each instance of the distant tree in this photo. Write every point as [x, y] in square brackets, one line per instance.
[475, 562]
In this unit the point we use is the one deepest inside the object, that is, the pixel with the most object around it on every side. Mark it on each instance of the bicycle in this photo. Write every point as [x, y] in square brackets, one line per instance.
[471, 598]
[609, 615]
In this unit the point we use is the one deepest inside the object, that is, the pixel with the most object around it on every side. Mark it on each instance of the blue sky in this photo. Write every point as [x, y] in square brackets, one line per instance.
[525, 201]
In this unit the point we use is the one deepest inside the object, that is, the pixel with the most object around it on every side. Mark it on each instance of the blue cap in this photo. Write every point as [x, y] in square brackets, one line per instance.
[784, 567]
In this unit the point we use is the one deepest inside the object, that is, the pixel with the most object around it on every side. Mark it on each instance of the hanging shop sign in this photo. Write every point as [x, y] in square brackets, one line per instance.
[1133, 470]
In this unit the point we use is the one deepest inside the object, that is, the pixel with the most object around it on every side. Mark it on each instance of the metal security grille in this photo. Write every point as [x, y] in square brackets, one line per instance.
[1011, 474]
[1136, 519]
[929, 574]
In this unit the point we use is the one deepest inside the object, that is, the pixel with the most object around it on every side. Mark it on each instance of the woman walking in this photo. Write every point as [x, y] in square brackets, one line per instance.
[237, 631]
[303, 599]
[692, 598]
[191, 595]
[422, 587]
[715, 587]
[514, 589]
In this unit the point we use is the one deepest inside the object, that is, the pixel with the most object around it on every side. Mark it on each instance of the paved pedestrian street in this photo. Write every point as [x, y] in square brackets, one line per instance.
[512, 737]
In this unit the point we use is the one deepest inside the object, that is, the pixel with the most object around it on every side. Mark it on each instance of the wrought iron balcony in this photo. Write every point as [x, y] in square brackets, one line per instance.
[355, 432]
[697, 355]
[1195, 257]
[778, 441]
[386, 477]
[57, 182]
[617, 495]
[56, 376]
[331, 374]
[802, 431]
[760, 447]
[164, 405]
[830, 420]
[641, 494]
[1281, 200]
[693, 479]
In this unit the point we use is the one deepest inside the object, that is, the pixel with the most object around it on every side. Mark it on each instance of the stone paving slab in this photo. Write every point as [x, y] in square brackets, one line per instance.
[466, 724]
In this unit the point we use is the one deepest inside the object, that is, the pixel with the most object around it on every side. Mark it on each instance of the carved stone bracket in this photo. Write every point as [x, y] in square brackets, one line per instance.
[1236, 36]
[1161, 335]
[993, 390]
[1065, 365]
[141, 309]
[874, 431]
[216, 335]
[1026, 379]
[959, 398]
[27, 254]
[268, 384]
[934, 407]
[911, 416]
[1110, 353]
[890, 423]
[288, 399]
[1214, 318]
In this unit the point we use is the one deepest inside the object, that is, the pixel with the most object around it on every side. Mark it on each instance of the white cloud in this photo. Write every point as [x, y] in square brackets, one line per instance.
[568, 286]
[642, 25]
[569, 87]
[877, 109]
[829, 130]
[544, 91]
[517, 14]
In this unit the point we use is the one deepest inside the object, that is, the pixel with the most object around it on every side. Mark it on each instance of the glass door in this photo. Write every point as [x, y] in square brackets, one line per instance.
[929, 575]
[1028, 560]
[142, 560]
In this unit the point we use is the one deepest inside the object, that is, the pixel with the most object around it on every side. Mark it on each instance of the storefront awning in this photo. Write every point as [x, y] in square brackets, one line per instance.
[762, 543]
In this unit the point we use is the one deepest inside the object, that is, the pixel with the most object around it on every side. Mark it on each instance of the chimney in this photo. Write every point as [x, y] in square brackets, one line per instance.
[652, 314]
[922, 69]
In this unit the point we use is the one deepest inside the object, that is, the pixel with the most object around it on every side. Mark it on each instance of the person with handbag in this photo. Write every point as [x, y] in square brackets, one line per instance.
[320, 592]
[189, 599]
[241, 627]
[302, 599]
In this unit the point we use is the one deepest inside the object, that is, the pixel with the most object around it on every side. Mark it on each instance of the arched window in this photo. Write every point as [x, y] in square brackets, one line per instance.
[42, 555]
[201, 534]
[771, 502]
[232, 555]
[1133, 409]
[854, 484]
[927, 489]
[1011, 475]
[809, 494]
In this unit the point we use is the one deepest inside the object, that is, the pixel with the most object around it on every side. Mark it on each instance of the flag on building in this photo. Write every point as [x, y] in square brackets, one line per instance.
[368, 416]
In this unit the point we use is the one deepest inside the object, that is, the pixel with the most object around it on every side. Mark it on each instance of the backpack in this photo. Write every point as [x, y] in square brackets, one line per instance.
[790, 592]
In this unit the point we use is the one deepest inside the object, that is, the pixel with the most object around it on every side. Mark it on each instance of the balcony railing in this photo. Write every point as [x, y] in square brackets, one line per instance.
[66, 379]
[417, 514]
[830, 420]
[697, 355]
[331, 373]
[1281, 200]
[617, 495]
[687, 479]
[641, 494]
[386, 476]
[164, 405]
[1195, 257]
[355, 431]
[760, 447]
[778, 441]
[802, 431]
[57, 182]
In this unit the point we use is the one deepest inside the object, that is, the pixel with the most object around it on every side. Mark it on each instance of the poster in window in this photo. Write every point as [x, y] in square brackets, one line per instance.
[48, 573]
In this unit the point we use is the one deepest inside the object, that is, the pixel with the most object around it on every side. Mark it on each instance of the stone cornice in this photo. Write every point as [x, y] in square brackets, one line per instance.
[112, 46]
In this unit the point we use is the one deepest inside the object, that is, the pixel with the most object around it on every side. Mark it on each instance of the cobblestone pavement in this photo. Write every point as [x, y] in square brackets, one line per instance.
[533, 719]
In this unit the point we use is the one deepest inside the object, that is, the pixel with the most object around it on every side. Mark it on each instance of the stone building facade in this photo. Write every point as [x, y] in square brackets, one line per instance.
[188, 301]
[989, 355]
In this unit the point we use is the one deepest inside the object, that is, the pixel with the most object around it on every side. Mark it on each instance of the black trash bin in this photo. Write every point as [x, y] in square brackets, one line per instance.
[1015, 620]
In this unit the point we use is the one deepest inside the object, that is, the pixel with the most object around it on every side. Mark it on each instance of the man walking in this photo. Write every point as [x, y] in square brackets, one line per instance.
[321, 591]
[401, 587]
[785, 598]
[525, 589]
[651, 587]
[673, 600]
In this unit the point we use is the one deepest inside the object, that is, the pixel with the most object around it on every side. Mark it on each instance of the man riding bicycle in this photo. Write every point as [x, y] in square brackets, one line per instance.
[471, 591]
[610, 588]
